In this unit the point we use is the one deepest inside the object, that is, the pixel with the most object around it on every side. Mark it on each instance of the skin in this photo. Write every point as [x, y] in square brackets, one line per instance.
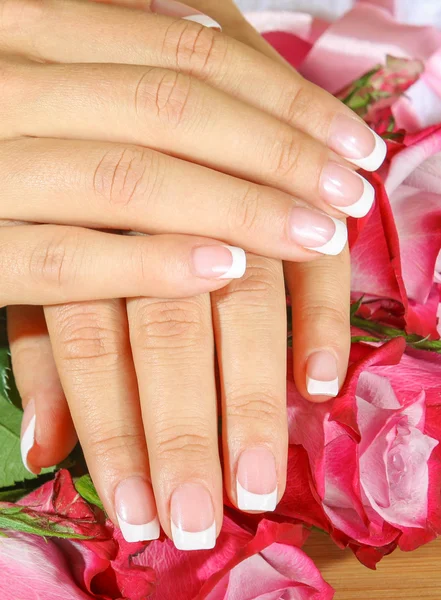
[134, 378]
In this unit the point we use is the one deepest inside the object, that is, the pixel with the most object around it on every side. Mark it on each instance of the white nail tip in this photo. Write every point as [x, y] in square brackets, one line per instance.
[203, 20]
[194, 540]
[262, 502]
[336, 243]
[237, 269]
[363, 206]
[27, 441]
[139, 533]
[322, 388]
[375, 159]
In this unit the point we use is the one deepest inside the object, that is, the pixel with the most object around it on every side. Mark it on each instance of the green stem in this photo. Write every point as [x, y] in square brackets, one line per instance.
[364, 338]
[416, 341]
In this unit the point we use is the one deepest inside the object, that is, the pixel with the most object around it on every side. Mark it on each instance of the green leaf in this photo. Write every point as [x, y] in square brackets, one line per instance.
[13, 495]
[86, 489]
[8, 389]
[356, 306]
[11, 466]
[17, 518]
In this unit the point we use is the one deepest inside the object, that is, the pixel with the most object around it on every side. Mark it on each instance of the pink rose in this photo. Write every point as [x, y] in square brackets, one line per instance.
[394, 250]
[244, 565]
[374, 476]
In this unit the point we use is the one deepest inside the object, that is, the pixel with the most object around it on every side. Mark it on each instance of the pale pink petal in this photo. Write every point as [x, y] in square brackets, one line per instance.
[438, 269]
[405, 163]
[278, 571]
[33, 568]
[373, 467]
[418, 220]
[413, 375]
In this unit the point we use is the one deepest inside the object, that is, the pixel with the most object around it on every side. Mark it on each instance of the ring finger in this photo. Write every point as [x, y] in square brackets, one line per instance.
[172, 345]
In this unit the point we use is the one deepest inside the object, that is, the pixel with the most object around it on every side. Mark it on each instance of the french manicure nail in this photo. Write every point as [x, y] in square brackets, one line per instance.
[346, 190]
[136, 510]
[219, 262]
[204, 20]
[356, 142]
[322, 374]
[176, 9]
[256, 484]
[316, 231]
[28, 434]
[192, 518]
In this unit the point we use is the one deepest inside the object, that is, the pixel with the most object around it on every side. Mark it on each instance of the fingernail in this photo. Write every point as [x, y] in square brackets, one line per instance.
[256, 483]
[181, 11]
[356, 142]
[136, 510]
[219, 262]
[192, 518]
[28, 434]
[346, 190]
[316, 231]
[322, 374]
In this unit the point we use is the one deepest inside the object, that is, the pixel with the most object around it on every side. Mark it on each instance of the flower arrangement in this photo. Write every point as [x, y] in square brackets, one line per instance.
[366, 467]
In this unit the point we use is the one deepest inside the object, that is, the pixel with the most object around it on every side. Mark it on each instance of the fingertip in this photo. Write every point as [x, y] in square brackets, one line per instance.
[321, 377]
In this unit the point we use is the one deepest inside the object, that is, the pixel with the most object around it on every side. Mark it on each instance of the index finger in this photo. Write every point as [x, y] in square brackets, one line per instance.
[67, 32]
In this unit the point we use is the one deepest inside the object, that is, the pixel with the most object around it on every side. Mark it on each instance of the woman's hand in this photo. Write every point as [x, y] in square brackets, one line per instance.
[172, 342]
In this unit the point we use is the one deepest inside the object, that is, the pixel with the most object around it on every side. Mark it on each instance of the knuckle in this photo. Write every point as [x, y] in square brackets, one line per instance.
[87, 335]
[326, 316]
[126, 175]
[307, 105]
[24, 351]
[243, 211]
[296, 107]
[112, 442]
[196, 49]
[169, 323]
[165, 92]
[261, 285]
[285, 155]
[255, 405]
[172, 444]
[52, 261]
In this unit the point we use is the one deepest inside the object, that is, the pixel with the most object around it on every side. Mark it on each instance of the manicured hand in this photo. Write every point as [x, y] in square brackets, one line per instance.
[238, 147]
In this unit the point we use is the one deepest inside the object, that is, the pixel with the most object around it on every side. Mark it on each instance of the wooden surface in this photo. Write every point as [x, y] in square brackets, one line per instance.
[401, 575]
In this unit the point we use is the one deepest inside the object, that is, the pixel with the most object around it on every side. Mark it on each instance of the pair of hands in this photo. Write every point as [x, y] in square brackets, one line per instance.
[140, 119]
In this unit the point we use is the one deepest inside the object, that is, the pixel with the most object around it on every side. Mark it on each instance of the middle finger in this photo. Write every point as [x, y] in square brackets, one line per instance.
[179, 115]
